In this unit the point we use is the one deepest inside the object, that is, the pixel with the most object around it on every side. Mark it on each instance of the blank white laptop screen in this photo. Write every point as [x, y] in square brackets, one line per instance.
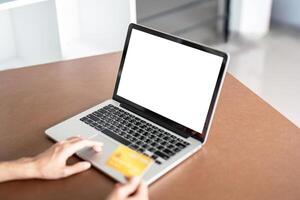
[170, 79]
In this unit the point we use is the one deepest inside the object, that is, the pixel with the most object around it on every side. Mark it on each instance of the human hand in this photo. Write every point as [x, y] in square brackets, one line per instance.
[51, 164]
[134, 189]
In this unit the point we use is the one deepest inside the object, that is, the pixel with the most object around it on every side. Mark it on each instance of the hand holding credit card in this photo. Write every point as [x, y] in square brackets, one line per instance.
[129, 162]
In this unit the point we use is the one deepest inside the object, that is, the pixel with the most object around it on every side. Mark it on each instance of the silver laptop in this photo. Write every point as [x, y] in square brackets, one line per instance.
[162, 106]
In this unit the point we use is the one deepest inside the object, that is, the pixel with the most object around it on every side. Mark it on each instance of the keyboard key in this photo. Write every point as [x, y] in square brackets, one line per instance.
[154, 144]
[99, 128]
[134, 146]
[168, 152]
[116, 137]
[176, 150]
[94, 118]
[162, 155]
[127, 137]
[84, 119]
[93, 124]
[141, 137]
[122, 133]
[186, 143]
[135, 134]
[147, 141]
[146, 134]
[172, 141]
[160, 147]
[152, 136]
[140, 131]
[167, 138]
[179, 145]
[140, 149]
[158, 162]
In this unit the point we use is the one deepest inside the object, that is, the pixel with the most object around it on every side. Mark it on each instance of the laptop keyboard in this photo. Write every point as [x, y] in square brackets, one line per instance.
[135, 133]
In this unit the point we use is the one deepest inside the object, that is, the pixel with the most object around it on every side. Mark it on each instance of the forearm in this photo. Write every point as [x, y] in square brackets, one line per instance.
[23, 168]
[50, 164]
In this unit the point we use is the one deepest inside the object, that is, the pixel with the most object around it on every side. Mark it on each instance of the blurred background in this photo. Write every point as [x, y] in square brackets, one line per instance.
[262, 36]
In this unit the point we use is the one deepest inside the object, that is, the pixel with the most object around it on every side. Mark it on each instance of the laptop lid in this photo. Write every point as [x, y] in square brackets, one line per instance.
[170, 81]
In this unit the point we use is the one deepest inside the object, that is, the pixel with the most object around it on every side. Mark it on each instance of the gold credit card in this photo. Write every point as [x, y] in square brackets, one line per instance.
[129, 162]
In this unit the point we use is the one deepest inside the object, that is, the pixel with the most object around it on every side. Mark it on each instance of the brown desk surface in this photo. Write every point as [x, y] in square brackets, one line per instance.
[252, 152]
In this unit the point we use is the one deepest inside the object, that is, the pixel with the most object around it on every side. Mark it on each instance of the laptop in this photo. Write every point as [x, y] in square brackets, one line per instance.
[163, 103]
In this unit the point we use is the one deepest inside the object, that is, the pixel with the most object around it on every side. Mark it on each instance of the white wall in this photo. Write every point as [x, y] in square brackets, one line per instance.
[6, 37]
[68, 23]
[250, 18]
[36, 32]
[235, 14]
[109, 24]
[287, 11]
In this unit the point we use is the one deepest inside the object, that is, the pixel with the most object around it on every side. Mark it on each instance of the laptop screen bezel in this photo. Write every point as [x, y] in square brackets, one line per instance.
[155, 117]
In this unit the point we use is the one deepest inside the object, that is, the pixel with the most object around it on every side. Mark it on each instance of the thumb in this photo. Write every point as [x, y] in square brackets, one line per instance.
[141, 193]
[77, 168]
[130, 187]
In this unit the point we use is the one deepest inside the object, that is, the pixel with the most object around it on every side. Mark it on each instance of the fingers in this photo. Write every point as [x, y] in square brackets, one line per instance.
[74, 144]
[124, 191]
[71, 139]
[141, 192]
[76, 168]
[133, 190]
[97, 148]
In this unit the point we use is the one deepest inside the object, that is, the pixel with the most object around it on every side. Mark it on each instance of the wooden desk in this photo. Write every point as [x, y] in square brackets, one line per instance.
[253, 152]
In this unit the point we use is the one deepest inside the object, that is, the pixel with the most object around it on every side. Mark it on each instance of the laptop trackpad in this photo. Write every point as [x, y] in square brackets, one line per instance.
[99, 160]
[108, 147]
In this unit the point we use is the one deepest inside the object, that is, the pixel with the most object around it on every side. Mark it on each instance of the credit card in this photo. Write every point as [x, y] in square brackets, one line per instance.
[129, 162]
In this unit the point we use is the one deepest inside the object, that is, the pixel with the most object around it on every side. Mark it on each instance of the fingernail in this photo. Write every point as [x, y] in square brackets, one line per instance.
[97, 149]
[87, 165]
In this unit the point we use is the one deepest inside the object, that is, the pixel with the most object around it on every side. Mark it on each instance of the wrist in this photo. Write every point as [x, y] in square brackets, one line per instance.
[27, 168]
[23, 168]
